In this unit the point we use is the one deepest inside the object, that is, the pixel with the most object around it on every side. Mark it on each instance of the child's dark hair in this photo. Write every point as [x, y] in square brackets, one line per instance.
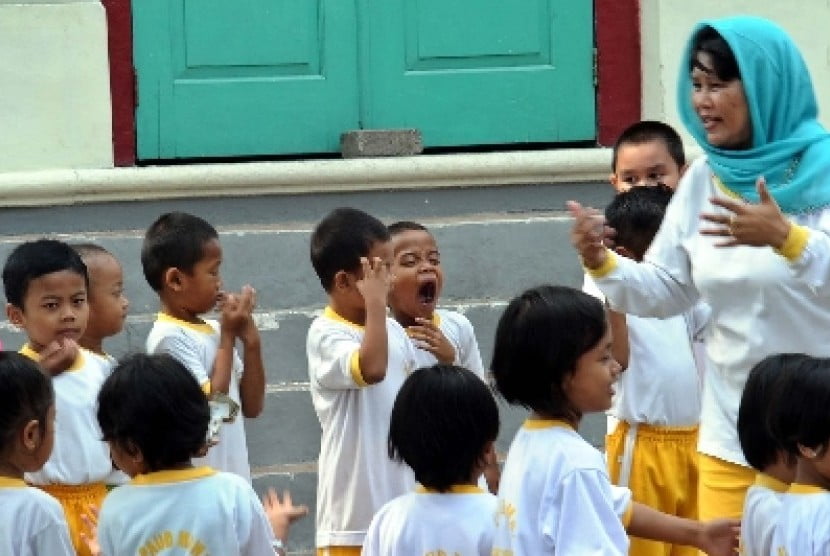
[33, 259]
[765, 379]
[152, 403]
[647, 131]
[539, 338]
[636, 215]
[800, 415]
[709, 41]
[341, 239]
[442, 420]
[25, 394]
[402, 226]
[174, 240]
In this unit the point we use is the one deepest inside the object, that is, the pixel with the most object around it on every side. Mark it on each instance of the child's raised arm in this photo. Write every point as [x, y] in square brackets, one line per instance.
[252, 384]
[374, 287]
[718, 537]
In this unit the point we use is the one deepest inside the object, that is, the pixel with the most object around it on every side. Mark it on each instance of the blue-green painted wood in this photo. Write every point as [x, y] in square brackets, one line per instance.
[481, 71]
[243, 78]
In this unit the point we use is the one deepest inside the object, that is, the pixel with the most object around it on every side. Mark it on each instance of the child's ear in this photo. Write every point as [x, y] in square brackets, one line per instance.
[14, 314]
[172, 279]
[625, 252]
[31, 435]
[342, 280]
[806, 452]
[615, 182]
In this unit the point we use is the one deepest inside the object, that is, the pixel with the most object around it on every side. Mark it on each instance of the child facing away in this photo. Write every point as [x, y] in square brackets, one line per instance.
[181, 257]
[46, 287]
[154, 416]
[552, 355]
[444, 425]
[776, 468]
[357, 361]
[647, 153]
[32, 523]
[651, 447]
[800, 422]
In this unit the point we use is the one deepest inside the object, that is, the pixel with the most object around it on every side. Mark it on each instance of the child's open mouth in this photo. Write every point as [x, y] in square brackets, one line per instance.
[426, 292]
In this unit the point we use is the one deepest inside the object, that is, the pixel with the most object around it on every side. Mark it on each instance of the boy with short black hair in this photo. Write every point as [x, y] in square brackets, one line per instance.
[652, 443]
[46, 287]
[647, 153]
[444, 425]
[181, 256]
[357, 361]
[776, 468]
[155, 419]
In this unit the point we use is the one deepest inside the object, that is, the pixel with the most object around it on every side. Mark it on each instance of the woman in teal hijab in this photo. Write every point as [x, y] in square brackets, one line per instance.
[748, 232]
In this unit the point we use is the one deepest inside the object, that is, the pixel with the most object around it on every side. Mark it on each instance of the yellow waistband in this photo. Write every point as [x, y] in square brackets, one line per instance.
[74, 491]
[657, 430]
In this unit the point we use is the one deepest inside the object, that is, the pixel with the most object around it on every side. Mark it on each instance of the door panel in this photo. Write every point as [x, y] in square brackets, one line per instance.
[249, 77]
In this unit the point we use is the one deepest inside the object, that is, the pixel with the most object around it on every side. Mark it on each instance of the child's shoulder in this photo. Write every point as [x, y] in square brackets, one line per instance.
[447, 317]
[31, 501]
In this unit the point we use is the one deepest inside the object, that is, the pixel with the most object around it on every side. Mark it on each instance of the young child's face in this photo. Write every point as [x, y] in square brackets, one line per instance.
[54, 307]
[107, 303]
[590, 387]
[202, 286]
[646, 163]
[417, 277]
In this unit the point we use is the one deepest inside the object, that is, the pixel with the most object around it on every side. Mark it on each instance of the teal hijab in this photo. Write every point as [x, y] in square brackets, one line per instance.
[790, 148]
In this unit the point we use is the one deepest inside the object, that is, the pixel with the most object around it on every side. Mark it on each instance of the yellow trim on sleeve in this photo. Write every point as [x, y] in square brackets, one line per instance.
[770, 482]
[173, 476]
[328, 312]
[202, 326]
[206, 388]
[11, 482]
[605, 268]
[454, 489]
[627, 515]
[799, 488]
[795, 243]
[536, 424]
[354, 368]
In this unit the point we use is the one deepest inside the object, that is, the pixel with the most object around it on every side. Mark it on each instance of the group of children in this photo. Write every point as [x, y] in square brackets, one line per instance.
[148, 455]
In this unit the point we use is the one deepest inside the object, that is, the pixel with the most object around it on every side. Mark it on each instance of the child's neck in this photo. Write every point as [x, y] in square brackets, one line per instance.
[95, 345]
[11, 471]
[780, 471]
[179, 312]
[806, 474]
[356, 315]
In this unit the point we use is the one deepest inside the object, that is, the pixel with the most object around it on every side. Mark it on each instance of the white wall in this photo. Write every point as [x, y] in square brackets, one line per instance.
[666, 25]
[55, 109]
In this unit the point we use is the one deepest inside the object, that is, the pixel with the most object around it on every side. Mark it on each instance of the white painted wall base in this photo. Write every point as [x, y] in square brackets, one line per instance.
[55, 109]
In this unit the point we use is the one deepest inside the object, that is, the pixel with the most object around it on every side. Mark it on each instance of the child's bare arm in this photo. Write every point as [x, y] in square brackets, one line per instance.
[252, 385]
[718, 537]
[620, 349]
[232, 318]
[373, 353]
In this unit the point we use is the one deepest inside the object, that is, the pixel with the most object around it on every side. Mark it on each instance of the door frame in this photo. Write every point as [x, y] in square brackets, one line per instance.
[617, 37]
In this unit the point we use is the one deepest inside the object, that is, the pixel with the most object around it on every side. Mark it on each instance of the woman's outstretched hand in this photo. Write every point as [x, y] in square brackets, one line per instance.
[757, 225]
[589, 234]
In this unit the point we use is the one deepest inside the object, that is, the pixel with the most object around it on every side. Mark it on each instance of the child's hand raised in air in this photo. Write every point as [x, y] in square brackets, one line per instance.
[58, 356]
[719, 537]
[281, 514]
[374, 283]
[429, 337]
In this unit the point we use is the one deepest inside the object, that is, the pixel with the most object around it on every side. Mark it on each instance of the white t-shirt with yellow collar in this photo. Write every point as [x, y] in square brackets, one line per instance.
[460, 521]
[195, 346]
[189, 511]
[79, 455]
[803, 527]
[355, 475]
[32, 523]
[762, 507]
[555, 497]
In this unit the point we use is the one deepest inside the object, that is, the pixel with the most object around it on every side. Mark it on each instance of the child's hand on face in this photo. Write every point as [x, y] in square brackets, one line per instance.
[429, 337]
[374, 285]
[58, 356]
[281, 514]
[719, 537]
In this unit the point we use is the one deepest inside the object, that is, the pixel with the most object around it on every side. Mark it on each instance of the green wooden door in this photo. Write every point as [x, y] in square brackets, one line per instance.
[223, 78]
[244, 77]
[481, 71]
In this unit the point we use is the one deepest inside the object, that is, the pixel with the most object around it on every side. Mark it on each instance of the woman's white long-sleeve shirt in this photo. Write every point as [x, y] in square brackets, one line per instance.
[762, 301]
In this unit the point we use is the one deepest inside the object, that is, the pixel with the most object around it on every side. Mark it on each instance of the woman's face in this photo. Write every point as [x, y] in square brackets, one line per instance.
[721, 107]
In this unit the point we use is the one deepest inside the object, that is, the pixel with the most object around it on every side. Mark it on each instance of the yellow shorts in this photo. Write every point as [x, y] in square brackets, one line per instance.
[664, 476]
[75, 500]
[339, 551]
[722, 488]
